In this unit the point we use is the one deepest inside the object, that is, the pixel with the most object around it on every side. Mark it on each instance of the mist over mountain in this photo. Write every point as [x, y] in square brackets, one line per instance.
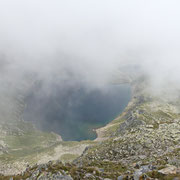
[102, 74]
[67, 43]
[89, 39]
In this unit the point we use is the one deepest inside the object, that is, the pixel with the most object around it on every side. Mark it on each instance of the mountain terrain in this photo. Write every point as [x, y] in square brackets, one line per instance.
[141, 143]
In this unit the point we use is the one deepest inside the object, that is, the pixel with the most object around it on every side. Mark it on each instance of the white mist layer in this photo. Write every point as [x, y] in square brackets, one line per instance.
[88, 40]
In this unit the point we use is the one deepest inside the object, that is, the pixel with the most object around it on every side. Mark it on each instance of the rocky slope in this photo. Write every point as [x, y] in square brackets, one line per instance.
[147, 133]
[142, 143]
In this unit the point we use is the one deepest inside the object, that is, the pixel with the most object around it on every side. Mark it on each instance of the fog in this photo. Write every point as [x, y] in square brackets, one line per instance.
[87, 41]
[90, 39]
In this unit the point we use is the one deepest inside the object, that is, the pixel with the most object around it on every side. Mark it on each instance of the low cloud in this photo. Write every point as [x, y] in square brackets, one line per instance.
[88, 40]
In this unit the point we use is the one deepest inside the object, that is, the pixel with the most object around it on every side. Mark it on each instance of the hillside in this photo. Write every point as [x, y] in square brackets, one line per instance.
[21, 143]
[143, 142]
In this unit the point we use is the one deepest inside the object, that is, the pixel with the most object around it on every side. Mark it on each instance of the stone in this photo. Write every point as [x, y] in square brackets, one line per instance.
[101, 169]
[169, 170]
[64, 178]
[120, 178]
[149, 126]
[142, 157]
[88, 175]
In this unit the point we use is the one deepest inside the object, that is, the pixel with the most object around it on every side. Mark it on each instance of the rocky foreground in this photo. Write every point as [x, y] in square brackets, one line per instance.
[100, 170]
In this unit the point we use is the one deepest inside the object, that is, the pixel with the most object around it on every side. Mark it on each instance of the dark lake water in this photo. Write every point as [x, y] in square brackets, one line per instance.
[75, 112]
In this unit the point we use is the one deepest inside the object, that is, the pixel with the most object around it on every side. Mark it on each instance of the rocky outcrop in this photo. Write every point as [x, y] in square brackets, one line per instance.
[146, 133]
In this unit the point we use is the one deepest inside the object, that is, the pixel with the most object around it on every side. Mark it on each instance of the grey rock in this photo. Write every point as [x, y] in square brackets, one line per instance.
[64, 178]
[88, 175]
[101, 169]
[120, 178]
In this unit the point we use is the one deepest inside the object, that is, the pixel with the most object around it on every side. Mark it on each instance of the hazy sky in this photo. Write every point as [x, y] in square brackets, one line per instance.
[89, 39]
